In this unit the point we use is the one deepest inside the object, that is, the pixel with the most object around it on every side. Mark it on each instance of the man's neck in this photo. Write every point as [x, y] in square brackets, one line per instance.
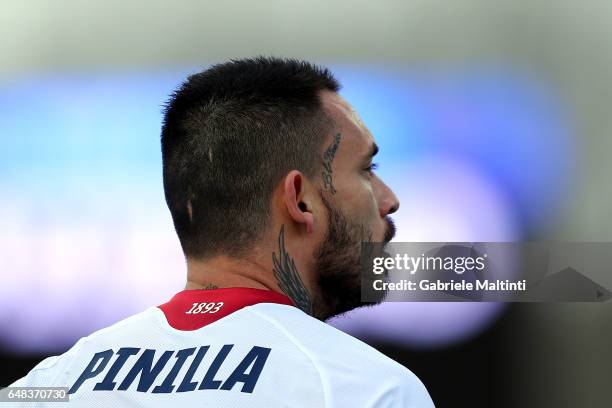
[279, 268]
[224, 272]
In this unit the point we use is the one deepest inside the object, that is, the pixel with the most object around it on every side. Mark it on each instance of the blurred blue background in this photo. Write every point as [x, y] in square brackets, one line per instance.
[482, 155]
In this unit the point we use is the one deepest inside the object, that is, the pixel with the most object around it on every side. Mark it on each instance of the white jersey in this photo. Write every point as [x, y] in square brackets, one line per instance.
[235, 347]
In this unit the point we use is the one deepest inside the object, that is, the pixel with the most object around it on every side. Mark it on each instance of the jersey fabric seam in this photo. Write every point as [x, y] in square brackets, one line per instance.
[298, 345]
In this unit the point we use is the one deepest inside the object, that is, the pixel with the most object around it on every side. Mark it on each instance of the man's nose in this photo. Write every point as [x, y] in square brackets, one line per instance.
[388, 202]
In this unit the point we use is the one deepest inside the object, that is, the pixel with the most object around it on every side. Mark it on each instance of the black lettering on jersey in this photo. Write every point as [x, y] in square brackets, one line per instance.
[148, 368]
[148, 372]
[187, 384]
[257, 357]
[209, 382]
[95, 367]
[107, 383]
[168, 386]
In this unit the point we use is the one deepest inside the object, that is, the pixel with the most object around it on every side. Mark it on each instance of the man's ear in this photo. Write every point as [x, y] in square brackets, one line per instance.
[294, 193]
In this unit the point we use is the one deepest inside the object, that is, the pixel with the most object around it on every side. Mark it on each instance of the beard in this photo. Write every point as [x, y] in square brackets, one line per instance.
[339, 262]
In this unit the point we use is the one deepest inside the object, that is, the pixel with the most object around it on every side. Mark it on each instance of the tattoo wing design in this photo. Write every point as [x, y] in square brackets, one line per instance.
[288, 277]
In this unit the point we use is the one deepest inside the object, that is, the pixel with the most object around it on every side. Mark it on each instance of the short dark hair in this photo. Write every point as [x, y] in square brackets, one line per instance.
[229, 135]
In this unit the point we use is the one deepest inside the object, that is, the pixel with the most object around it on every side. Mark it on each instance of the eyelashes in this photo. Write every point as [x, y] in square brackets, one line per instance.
[371, 167]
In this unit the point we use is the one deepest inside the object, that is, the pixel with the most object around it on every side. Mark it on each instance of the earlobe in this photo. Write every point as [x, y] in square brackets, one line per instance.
[309, 222]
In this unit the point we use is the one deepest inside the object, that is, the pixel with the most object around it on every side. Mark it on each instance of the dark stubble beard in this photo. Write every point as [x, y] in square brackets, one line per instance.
[338, 264]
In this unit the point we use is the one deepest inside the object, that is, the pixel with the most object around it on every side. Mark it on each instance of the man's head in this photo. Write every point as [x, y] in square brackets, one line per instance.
[254, 145]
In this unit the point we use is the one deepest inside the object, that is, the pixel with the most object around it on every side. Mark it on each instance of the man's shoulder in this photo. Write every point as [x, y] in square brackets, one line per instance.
[324, 342]
[128, 327]
[349, 368]
[48, 370]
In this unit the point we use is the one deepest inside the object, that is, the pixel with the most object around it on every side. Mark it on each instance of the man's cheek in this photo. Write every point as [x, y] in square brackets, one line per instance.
[359, 200]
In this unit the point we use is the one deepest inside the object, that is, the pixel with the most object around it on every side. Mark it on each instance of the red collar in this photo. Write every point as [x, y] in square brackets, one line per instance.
[193, 309]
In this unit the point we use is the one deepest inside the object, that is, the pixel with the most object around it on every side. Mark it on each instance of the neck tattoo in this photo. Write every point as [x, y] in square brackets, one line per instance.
[288, 277]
